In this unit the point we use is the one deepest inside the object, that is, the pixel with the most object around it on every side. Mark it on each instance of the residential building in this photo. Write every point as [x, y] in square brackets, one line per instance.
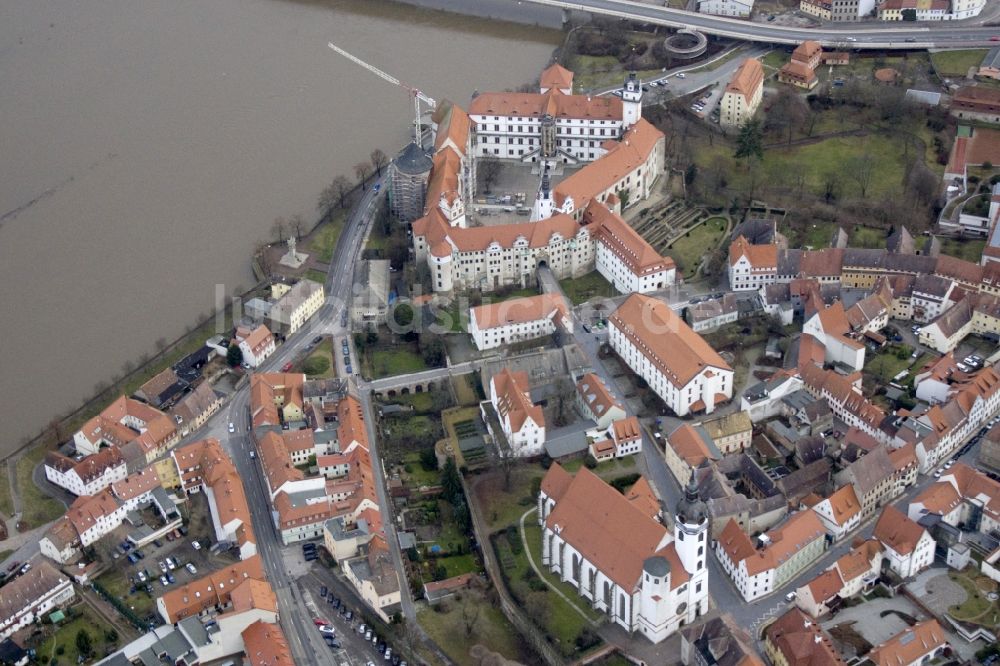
[680, 367]
[616, 552]
[840, 513]
[203, 466]
[218, 591]
[370, 305]
[781, 554]
[596, 402]
[689, 447]
[32, 595]
[822, 9]
[751, 267]
[275, 399]
[88, 476]
[798, 74]
[522, 421]
[851, 574]
[908, 547]
[127, 423]
[878, 476]
[980, 103]
[742, 95]
[256, 345]
[296, 306]
[962, 496]
[717, 642]
[764, 400]
[913, 646]
[795, 640]
[730, 433]
[162, 389]
[265, 645]
[739, 8]
[374, 577]
[622, 438]
[710, 314]
[194, 409]
[518, 319]
[832, 329]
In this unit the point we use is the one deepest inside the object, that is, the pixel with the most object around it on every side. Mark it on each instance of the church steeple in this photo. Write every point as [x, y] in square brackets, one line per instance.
[543, 206]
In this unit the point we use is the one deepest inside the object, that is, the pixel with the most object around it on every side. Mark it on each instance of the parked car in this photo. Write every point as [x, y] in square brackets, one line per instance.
[318, 339]
[157, 543]
[196, 545]
[191, 568]
[142, 576]
[681, 75]
[232, 428]
[171, 563]
[286, 367]
[319, 622]
[163, 581]
[790, 597]
[171, 578]
[327, 629]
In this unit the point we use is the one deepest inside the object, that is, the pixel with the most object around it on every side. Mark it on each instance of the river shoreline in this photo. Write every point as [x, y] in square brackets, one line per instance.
[504, 10]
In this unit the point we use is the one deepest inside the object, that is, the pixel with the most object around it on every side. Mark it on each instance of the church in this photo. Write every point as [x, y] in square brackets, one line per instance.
[617, 552]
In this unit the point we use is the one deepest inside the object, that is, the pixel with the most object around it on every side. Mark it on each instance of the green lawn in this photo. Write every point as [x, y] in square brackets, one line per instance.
[556, 618]
[65, 638]
[316, 276]
[957, 63]
[37, 508]
[775, 59]
[324, 238]
[687, 250]
[6, 501]
[453, 317]
[389, 362]
[886, 365]
[976, 605]
[456, 565]
[607, 470]
[421, 402]
[377, 240]
[417, 476]
[579, 290]
[467, 389]
[4, 554]
[412, 426]
[968, 249]
[323, 351]
[491, 629]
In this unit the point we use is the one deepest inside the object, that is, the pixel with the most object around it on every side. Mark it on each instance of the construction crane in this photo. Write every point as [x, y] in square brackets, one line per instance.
[414, 92]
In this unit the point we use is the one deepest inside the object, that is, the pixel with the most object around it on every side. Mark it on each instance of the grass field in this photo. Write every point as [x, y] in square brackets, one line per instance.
[687, 250]
[316, 276]
[6, 501]
[117, 585]
[885, 365]
[491, 629]
[417, 476]
[324, 238]
[968, 249]
[466, 389]
[323, 350]
[64, 638]
[37, 508]
[814, 162]
[389, 362]
[579, 290]
[501, 505]
[957, 63]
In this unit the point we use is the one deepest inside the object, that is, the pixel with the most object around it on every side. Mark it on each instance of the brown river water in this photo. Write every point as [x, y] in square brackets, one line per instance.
[146, 145]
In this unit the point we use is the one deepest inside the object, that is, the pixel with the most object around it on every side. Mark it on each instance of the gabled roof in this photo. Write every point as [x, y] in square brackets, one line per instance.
[513, 401]
[896, 531]
[622, 158]
[90, 468]
[553, 103]
[663, 338]
[910, 645]
[844, 504]
[611, 532]
[801, 641]
[556, 481]
[520, 311]
[595, 394]
[623, 241]
[556, 76]
[747, 79]
[215, 589]
[264, 644]
[799, 530]
[759, 256]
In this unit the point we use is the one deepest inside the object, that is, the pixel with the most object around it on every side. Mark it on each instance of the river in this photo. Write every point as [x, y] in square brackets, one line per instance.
[147, 145]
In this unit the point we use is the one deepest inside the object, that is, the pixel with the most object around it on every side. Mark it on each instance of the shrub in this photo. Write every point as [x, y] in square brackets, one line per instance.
[589, 462]
[586, 639]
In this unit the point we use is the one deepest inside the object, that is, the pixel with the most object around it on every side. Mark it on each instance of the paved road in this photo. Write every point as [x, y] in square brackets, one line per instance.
[945, 34]
[296, 618]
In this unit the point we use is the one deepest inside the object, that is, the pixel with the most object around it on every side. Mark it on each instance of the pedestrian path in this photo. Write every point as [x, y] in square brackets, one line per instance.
[541, 574]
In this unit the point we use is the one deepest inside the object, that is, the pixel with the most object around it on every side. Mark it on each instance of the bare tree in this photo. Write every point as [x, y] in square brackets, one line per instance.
[787, 114]
[831, 185]
[264, 260]
[279, 228]
[862, 171]
[922, 184]
[297, 225]
[489, 169]
[362, 170]
[470, 615]
[55, 430]
[379, 160]
[329, 199]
